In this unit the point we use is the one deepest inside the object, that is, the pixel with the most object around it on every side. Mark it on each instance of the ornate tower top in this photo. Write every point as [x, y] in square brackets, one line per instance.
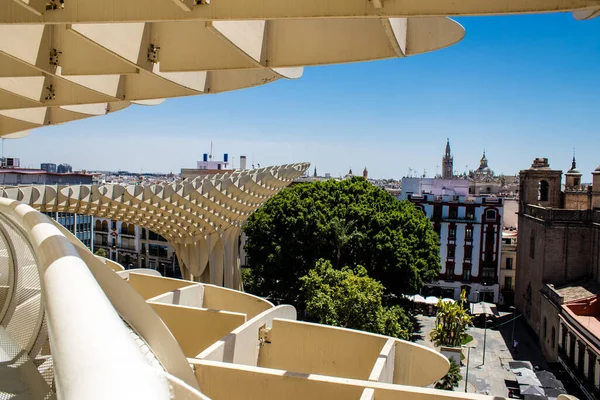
[574, 170]
[365, 173]
[447, 162]
[484, 161]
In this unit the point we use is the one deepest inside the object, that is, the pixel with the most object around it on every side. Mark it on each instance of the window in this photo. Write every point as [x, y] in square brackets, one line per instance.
[453, 213]
[451, 251]
[532, 246]
[452, 233]
[543, 191]
[508, 283]
[469, 233]
[470, 213]
[437, 211]
[466, 274]
[490, 236]
[490, 215]
[488, 272]
[509, 263]
[468, 252]
[113, 225]
[450, 271]
[553, 337]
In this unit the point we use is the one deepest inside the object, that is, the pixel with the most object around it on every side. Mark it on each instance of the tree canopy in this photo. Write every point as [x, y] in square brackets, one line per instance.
[348, 222]
[349, 298]
[451, 379]
[101, 252]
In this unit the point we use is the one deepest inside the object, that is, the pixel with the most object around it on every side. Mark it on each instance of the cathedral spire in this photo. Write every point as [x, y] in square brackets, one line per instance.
[447, 162]
[573, 163]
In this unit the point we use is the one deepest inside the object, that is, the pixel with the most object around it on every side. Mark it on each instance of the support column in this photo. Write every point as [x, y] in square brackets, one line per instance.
[216, 264]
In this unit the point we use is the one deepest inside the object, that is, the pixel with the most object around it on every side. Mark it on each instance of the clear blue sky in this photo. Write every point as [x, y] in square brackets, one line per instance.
[521, 87]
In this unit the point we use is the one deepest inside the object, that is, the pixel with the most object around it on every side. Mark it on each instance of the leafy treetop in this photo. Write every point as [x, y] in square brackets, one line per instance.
[348, 222]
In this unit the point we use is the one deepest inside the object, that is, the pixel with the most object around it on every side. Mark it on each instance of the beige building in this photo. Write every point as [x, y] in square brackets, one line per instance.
[558, 270]
[508, 266]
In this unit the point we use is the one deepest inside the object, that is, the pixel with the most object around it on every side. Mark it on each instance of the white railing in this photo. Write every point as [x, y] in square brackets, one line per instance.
[93, 353]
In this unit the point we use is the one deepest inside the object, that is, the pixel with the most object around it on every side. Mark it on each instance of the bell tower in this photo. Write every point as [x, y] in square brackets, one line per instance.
[573, 176]
[447, 163]
[540, 185]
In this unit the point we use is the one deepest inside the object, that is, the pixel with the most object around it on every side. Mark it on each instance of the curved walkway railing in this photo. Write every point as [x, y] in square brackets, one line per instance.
[44, 282]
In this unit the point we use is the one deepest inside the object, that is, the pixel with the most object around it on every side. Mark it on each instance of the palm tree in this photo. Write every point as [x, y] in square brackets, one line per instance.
[451, 323]
[451, 379]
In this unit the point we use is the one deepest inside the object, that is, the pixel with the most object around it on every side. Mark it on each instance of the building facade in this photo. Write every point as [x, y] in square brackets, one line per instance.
[508, 266]
[559, 268]
[470, 230]
[82, 226]
[135, 247]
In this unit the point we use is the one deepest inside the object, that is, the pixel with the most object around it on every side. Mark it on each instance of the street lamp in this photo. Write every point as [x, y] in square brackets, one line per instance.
[512, 336]
[484, 329]
[468, 357]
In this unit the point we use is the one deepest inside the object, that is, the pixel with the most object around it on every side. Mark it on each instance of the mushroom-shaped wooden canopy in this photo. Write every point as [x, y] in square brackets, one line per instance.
[64, 60]
[200, 217]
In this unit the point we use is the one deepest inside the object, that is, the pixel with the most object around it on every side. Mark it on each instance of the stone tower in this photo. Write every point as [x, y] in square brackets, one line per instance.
[365, 173]
[573, 176]
[540, 185]
[447, 163]
[596, 188]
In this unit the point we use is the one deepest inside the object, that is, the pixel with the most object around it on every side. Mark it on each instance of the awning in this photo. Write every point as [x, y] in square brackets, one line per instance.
[484, 308]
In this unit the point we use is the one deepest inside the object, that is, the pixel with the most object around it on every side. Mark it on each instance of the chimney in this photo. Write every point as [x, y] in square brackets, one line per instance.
[242, 162]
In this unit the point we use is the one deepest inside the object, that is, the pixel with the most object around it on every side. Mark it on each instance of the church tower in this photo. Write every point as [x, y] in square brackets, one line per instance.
[365, 173]
[573, 176]
[447, 163]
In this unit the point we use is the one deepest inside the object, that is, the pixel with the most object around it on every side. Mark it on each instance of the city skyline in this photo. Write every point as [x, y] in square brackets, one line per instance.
[496, 90]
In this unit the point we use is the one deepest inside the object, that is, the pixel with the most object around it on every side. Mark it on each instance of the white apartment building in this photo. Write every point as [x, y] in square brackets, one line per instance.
[470, 230]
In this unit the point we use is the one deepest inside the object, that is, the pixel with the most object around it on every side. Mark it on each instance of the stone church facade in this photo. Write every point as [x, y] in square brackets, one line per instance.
[559, 267]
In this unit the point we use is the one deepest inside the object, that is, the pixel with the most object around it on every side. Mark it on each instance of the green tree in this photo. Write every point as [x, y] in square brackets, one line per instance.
[348, 222]
[451, 323]
[349, 298]
[101, 252]
[451, 379]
